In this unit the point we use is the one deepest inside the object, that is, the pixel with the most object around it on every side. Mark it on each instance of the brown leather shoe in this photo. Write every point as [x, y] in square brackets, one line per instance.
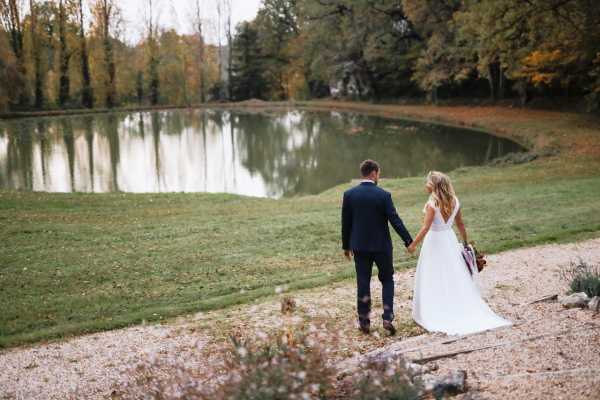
[388, 326]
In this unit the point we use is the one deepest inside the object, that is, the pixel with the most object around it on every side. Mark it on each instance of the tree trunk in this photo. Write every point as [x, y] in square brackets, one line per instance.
[492, 81]
[202, 86]
[64, 83]
[87, 94]
[501, 82]
[140, 87]
[110, 73]
[229, 49]
[434, 95]
[15, 30]
[201, 57]
[496, 80]
[153, 59]
[523, 93]
[184, 85]
[154, 82]
[219, 47]
[109, 63]
[37, 64]
[111, 98]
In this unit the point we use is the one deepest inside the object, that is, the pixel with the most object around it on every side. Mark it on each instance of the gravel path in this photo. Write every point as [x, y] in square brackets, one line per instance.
[563, 363]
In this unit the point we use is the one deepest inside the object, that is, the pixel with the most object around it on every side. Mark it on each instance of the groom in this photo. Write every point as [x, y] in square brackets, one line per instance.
[366, 211]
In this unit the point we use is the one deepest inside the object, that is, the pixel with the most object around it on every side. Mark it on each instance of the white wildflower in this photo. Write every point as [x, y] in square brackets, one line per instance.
[242, 351]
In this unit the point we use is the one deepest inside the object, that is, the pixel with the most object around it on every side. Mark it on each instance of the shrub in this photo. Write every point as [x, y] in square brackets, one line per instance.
[285, 365]
[583, 277]
[387, 380]
[294, 362]
[291, 364]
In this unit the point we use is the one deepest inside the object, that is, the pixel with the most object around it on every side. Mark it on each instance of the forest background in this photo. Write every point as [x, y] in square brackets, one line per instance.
[63, 54]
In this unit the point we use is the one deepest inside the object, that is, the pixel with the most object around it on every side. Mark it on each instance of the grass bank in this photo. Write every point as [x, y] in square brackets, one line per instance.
[75, 263]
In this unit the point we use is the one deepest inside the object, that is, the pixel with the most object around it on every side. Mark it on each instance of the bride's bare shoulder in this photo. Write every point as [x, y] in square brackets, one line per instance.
[429, 205]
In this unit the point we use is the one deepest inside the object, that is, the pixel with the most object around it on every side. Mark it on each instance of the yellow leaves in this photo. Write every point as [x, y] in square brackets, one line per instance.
[294, 78]
[538, 57]
[544, 66]
[295, 83]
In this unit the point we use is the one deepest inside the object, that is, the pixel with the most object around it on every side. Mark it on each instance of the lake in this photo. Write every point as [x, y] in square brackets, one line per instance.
[266, 154]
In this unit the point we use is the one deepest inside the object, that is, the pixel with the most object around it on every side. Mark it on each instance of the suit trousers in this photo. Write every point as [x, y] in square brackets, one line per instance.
[363, 261]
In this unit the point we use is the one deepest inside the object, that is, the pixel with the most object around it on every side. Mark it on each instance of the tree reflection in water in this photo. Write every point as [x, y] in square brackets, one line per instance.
[252, 153]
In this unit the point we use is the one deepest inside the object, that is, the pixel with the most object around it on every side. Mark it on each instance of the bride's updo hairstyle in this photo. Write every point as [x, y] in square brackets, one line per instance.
[442, 192]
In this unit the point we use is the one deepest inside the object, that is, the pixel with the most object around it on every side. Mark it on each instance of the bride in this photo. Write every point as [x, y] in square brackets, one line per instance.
[446, 299]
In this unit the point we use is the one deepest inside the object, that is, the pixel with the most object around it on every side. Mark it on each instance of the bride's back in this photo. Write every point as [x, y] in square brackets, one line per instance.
[439, 221]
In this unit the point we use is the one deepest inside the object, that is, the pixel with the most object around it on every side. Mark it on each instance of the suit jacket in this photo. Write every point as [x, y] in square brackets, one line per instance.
[366, 211]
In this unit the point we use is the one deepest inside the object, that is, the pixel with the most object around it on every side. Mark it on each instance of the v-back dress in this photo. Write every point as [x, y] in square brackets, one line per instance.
[445, 298]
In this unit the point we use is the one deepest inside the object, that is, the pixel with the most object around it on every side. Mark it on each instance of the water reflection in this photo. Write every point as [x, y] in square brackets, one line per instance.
[255, 154]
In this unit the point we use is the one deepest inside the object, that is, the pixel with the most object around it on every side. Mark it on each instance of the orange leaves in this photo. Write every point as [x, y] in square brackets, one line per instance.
[542, 57]
[544, 66]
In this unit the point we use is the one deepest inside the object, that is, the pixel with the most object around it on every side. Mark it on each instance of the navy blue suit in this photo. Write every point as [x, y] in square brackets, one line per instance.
[366, 211]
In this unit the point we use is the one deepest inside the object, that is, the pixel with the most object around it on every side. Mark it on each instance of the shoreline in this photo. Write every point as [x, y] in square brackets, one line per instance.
[444, 115]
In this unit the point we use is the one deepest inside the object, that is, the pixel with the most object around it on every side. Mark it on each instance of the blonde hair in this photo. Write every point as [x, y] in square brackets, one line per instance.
[442, 192]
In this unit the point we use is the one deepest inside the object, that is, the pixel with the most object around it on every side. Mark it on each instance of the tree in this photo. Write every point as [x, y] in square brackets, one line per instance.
[277, 28]
[229, 33]
[219, 26]
[247, 80]
[222, 27]
[174, 68]
[200, 51]
[107, 20]
[5, 68]
[151, 27]
[87, 93]
[441, 61]
[539, 43]
[36, 56]
[139, 87]
[65, 55]
[361, 48]
[11, 20]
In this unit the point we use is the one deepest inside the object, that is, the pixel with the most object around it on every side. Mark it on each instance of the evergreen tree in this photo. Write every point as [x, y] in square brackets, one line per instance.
[246, 64]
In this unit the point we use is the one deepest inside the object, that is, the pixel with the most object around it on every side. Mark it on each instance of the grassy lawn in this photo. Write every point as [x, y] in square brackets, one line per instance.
[74, 263]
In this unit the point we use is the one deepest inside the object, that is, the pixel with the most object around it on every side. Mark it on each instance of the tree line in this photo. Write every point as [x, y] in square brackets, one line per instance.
[57, 54]
[439, 48]
[71, 53]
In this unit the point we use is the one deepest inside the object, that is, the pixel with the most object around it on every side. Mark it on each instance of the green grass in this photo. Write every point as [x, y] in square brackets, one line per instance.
[76, 263]
[80, 263]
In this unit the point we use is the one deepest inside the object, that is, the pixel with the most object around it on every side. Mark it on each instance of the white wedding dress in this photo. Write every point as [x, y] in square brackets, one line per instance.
[446, 298]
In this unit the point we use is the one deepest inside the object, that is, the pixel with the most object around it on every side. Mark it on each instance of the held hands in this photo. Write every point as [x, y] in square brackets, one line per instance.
[412, 248]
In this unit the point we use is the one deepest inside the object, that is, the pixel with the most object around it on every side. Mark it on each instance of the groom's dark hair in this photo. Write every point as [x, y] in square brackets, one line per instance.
[368, 166]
